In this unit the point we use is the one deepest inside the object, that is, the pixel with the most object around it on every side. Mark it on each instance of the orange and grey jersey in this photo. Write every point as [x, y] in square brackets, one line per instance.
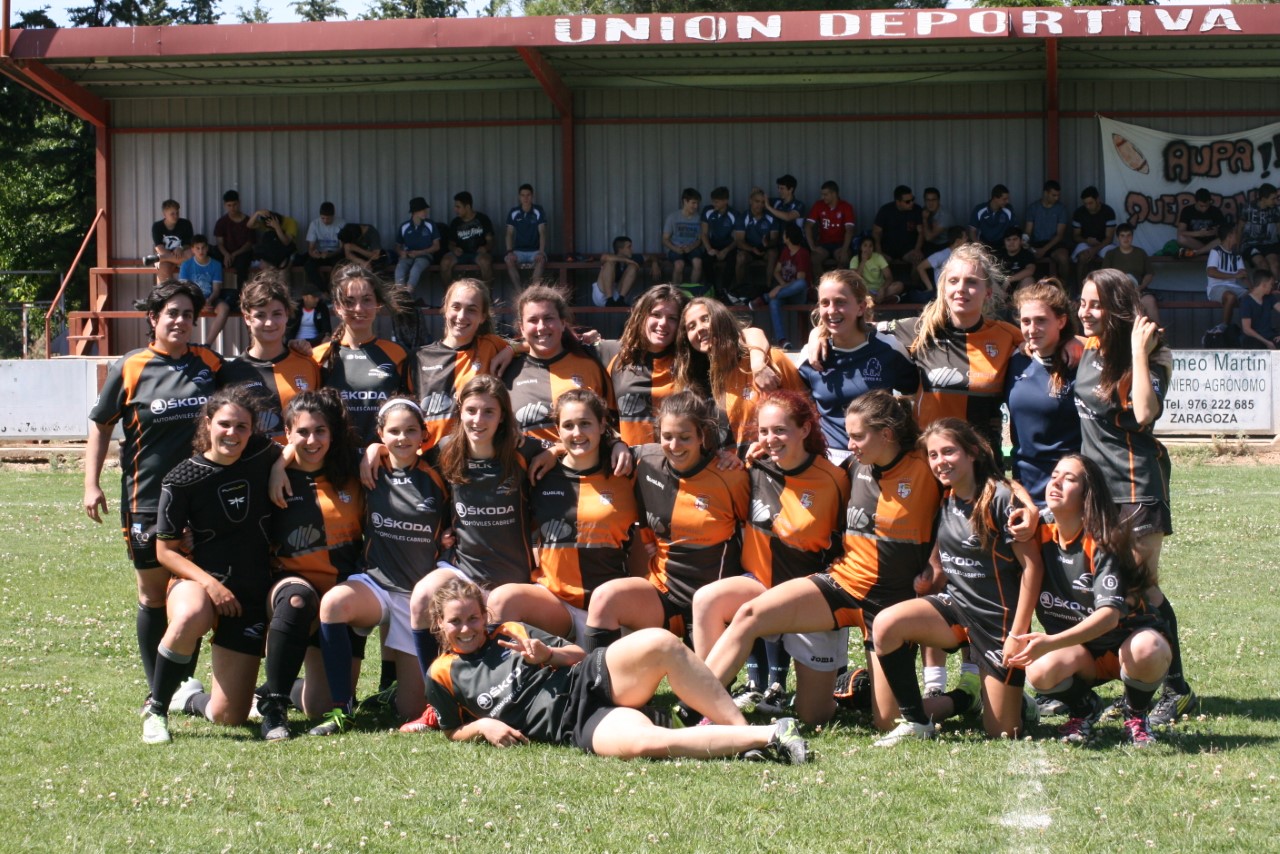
[640, 390]
[496, 682]
[962, 374]
[228, 513]
[984, 582]
[157, 400]
[365, 376]
[582, 525]
[276, 382]
[491, 521]
[1135, 463]
[737, 412]
[319, 533]
[888, 529]
[1079, 578]
[796, 519]
[536, 383]
[404, 515]
[437, 372]
[694, 516]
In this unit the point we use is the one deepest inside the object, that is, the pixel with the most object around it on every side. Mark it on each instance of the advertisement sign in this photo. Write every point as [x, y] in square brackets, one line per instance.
[1219, 391]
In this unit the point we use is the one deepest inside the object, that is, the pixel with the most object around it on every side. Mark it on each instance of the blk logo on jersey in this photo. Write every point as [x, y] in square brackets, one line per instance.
[235, 500]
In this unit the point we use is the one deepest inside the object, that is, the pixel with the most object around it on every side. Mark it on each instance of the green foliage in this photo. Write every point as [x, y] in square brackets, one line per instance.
[197, 12]
[389, 9]
[45, 206]
[36, 19]
[256, 14]
[318, 10]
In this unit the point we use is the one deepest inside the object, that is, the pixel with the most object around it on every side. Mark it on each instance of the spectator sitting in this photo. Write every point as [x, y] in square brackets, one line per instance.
[471, 236]
[1134, 262]
[171, 236]
[682, 238]
[1260, 238]
[1018, 261]
[1199, 225]
[312, 323]
[791, 277]
[205, 273]
[235, 236]
[362, 245]
[618, 273]
[786, 207]
[719, 223]
[757, 238]
[990, 221]
[417, 242]
[936, 223]
[897, 231]
[323, 247]
[526, 238]
[1045, 224]
[870, 267]
[930, 269]
[1093, 226]
[829, 228]
[1227, 273]
[1258, 313]
[277, 237]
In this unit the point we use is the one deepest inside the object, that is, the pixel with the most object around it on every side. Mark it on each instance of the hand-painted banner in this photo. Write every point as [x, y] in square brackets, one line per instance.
[1151, 175]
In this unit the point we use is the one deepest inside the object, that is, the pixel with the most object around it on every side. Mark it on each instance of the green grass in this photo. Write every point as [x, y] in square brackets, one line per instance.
[77, 777]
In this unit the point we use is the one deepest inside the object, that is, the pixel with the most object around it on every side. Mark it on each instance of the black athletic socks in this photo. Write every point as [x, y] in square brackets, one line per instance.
[899, 669]
[171, 669]
[779, 662]
[289, 636]
[1175, 679]
[596, 638]
[387, 677]
[335, 648]
[1137, 695]
[152, 623]
[1074, 694]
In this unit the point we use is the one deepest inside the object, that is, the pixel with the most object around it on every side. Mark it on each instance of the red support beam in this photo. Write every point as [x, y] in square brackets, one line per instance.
[1053, 136]
[562, 98]
[66, 94]
[102, 191]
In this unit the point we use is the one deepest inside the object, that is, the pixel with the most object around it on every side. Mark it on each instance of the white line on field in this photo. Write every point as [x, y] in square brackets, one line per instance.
[1026, 809]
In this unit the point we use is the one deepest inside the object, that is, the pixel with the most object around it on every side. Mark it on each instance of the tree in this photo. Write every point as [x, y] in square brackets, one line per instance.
[36, 19]
[197, 12]
[257, 14]
[388, 9]
[318, 10]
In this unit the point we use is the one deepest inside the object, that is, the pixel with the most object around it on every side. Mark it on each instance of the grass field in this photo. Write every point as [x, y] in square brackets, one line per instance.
[77, 777]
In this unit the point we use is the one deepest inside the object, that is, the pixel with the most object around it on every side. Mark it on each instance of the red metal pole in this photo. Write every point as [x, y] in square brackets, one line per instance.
[1052, 131]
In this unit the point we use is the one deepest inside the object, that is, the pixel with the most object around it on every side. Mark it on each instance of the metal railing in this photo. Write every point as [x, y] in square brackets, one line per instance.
[66, 280]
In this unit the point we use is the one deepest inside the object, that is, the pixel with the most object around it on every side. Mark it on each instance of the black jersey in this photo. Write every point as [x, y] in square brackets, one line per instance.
[228, 513]
[795, 523]
[157, 400]
[275, 381]
[496, 682]
[319, 534]
[491, 521]
[536, 383]
[1136, 465]
[639, 389]
[984, 583]
[437, 372]
[365, 376]
[694, 516]
[1079, 578]
[403, 516]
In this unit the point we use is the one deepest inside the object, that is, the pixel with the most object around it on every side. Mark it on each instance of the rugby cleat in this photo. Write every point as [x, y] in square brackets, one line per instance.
[787, 745]
[155, 728]
[905, 731]
[427, 720]
[384, 699]
[971, 685]
[853, 690]
[1079, 727]
[1050, 706]
[1137, 730]
[774, 701]
[275, 718]
[1172, 706]
[1030, 711]
[748, 700]
[335, 721]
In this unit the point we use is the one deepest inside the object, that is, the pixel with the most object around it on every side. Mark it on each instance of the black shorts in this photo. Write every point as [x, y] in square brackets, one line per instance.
[591, 698]
[246, 633]
[677, 617]
[989, 648]
[1148, 517]
[231, 297]
[139, 531]
[846, 609]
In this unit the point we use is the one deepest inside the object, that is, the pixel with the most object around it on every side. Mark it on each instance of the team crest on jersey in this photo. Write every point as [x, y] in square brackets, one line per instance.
[235, 500]
[702, 502]
[806, 499]
[873, 370]
[904, 490]
[344, 496]
[992, 350]
[301, 384]
[748, 393]
[606, 498]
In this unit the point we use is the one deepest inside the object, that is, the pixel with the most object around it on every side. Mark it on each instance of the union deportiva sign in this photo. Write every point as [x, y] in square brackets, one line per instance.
[916, 24]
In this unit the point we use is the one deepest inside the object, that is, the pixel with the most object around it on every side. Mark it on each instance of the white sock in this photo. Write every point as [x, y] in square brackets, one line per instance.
[935, 677]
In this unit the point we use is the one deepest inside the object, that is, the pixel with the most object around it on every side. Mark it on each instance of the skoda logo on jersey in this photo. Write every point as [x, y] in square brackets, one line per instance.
[301, 384]
[904, 490]
[806, 500]
[702, 502]
[1046, 599]
[159, 406]
[235, 500]
[873, 370]
[992, 349]
[380, 521]
[465, 510]
[304, 537]
[436, 405]
[384, 371]
[485, 701]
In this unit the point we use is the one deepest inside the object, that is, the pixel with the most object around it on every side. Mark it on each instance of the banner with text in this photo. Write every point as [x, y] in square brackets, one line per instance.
[1221, 391]
[1151, 175]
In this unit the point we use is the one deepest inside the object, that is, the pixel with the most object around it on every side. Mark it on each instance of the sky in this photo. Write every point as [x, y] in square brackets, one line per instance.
[282, 12]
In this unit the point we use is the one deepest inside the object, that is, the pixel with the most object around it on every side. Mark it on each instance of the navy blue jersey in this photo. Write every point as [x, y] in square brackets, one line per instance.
[720, 225]
[526, 224]
[1044, 424]
[759, 231]
[848, 374]
[417, 237]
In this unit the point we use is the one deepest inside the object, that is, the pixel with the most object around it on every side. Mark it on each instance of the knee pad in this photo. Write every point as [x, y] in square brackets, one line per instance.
[294, 619]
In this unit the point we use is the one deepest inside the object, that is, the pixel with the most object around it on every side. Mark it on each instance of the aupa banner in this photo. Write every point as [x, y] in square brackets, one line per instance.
[1151, 175]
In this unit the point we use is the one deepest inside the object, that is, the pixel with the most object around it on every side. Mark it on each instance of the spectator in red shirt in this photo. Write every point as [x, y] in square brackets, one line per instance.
[829, 227]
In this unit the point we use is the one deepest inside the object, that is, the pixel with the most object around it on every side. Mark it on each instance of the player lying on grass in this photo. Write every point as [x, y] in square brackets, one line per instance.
[511, 684]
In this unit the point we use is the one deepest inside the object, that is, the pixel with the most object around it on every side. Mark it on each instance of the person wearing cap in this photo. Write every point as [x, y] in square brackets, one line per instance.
[526, 238]
[1018, 261]
[417, 242]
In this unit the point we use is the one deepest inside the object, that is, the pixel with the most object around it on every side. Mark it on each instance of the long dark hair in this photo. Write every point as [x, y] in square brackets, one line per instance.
[689, 404]
[395, 298]
[1121, 305]
[340, 460]
[235, 395]
[1101, 520]
[631, 345]
[1051, 292]
[727, 350]
[987, 474]
[455, 451]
